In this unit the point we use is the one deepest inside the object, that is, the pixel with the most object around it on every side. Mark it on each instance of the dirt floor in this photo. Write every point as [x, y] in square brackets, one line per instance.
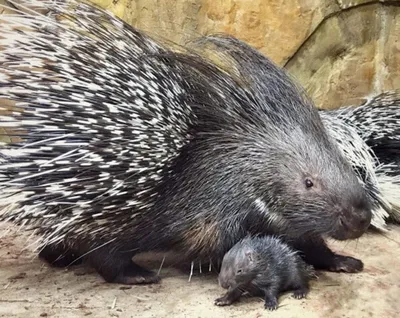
[29, 288]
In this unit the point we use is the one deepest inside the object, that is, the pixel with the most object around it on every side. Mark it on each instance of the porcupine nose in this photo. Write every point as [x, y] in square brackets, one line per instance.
[355, 220]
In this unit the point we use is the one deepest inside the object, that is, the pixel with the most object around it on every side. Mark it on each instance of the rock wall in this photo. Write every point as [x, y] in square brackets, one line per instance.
[339, 50]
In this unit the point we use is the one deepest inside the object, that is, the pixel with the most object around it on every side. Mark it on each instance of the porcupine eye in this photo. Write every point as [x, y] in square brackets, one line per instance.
[309, 183]
[239, 271]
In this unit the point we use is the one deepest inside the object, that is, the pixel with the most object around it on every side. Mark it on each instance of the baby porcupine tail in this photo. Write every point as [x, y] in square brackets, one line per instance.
[377, 121]
[77, 95]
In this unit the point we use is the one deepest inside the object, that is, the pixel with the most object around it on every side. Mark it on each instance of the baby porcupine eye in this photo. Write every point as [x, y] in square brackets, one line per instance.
[308, 183]
[239, 271]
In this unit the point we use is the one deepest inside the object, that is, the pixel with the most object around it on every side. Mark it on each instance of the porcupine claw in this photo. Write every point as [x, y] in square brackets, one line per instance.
[300, 293]
[223, 301]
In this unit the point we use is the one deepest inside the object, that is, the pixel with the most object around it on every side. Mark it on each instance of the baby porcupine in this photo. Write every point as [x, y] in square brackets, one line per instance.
[122, 147]
[263, 265]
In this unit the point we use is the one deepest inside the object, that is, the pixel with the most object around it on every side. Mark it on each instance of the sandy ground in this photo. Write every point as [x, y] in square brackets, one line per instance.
[29, 288]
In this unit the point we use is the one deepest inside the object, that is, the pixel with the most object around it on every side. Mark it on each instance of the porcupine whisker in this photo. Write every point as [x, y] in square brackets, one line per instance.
[161, 265]
[60, 257]
[34, 243]
[130, 250]
[68, 154]
[45, 141]
[91, 251]
[31, 235]
[30, 176]
[191, 271]
[5, 232]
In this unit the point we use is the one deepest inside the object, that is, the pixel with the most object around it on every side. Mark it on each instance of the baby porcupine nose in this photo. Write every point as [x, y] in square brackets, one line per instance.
[223, 283]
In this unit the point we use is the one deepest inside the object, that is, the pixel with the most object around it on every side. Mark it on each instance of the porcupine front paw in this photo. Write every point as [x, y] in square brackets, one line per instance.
[118, 268]
[134, 274]
[271, 303]
[315, 252]
[223, 301]
[346, 264]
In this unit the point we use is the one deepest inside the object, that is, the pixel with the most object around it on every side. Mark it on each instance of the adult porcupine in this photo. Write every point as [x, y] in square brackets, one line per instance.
[349, 126]
[377, 122]
[127, 147]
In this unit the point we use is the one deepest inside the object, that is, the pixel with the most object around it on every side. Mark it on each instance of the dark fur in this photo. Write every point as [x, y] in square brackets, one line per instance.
[263, 265]
[249, 144]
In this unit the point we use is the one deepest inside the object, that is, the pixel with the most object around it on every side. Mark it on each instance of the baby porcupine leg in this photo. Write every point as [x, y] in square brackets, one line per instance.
[119, 268]
[271, 294]
[300, 293]
[301, 288]
[317, 253]
[229, 298]
[59, 256]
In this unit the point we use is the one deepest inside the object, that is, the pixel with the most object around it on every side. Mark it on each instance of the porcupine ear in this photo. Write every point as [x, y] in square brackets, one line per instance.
[250, 256]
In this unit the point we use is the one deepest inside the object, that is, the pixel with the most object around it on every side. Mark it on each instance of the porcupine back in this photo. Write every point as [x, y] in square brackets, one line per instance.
[127, 142]
[100, 122]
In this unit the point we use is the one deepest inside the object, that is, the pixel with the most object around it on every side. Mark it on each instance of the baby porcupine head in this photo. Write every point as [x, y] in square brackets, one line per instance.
[240, 266]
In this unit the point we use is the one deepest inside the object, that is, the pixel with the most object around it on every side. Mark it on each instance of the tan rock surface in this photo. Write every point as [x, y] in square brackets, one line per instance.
[276, 27]
[338, 64]
[29, 288]
[340, 51]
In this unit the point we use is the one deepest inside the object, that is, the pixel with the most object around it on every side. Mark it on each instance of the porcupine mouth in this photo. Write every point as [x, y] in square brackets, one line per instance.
[350, 230]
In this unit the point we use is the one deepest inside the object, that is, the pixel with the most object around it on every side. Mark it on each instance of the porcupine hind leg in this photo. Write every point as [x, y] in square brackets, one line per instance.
[59, 256]
[118, 268]
[317, 253]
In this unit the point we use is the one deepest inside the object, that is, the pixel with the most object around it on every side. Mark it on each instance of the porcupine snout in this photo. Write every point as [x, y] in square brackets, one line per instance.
[354, 219]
